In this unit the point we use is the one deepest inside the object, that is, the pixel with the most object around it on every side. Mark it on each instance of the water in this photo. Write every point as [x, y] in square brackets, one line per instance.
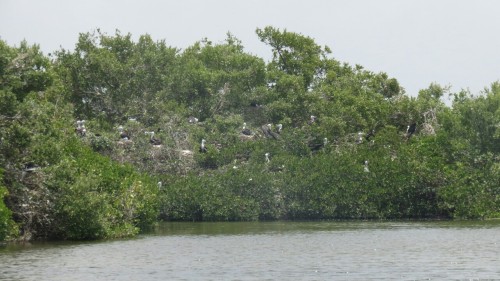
[271, 251]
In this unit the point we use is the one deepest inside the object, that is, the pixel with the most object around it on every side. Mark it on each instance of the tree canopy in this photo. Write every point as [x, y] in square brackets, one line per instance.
[103, 140]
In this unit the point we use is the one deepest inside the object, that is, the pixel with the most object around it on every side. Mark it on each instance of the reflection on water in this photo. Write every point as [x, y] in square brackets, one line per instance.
[271, 251]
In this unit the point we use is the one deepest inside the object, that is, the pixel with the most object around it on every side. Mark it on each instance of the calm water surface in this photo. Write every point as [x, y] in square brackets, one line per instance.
[271, 251]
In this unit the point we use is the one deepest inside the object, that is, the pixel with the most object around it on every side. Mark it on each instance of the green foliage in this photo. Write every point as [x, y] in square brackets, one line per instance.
[61, 184]
[114, 75]
[212, 79]
[24, 69]
[57, 187]
[293, 54]
[473, 192]
[96, 198]
[7, 226]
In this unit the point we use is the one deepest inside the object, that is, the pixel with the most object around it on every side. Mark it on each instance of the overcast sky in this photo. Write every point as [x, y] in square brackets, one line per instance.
[450, 42]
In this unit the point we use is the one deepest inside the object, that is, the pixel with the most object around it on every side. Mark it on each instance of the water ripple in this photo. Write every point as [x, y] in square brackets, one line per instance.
[270, 251]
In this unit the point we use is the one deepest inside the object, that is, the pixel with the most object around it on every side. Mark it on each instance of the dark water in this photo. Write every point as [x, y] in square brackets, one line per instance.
[271, 251]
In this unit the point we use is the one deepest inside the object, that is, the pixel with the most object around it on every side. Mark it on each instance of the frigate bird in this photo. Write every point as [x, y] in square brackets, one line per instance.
[30, 167]
[279, 127]
[370, 134]
[315, 146]
[203, 148]
[123, 135]
[152, 139]
[255, 104]
[410, 130]
[266, 129]
[245, 130]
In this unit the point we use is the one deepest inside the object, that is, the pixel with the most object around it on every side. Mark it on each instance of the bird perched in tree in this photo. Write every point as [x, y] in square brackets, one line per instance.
[123, 135]
[267, 157]
[192, 120]
[30, 167]
[278, 128]
[152, 139]
[83, 131]
[245, 130]
[370, 134]
[266, 129]
[312, 120]
[359, 140]
[316, 145]
[255, 104]
[203, 148]
[410, 130]
[80, 128]
[365, 168]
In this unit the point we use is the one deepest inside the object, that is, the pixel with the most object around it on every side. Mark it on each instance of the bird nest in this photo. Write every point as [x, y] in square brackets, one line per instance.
[430, 123]
[428, 129]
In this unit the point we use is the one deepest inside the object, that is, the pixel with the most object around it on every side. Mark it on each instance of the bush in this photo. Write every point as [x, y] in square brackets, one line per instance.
[8, 228]
[97, 198]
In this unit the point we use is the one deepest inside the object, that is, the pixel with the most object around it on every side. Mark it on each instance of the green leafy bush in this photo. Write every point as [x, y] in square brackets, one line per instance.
[63, 185]
[8, 228]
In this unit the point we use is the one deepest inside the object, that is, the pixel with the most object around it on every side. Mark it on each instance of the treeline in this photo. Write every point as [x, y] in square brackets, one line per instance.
[100, 141]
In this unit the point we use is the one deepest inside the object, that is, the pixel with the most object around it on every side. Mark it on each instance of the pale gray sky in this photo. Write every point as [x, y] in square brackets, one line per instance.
[451, 42]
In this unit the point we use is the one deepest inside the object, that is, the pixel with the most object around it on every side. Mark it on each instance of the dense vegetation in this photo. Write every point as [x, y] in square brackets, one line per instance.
[79, 160]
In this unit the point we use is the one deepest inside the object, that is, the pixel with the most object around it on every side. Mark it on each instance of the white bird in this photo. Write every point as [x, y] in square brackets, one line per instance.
[360, 138]
[80, 123]
[278, 128]
[82, 131]
[203, 148]
[312, 119]
[366, 167]
[80, 128]
[266, 129]
[267, 157]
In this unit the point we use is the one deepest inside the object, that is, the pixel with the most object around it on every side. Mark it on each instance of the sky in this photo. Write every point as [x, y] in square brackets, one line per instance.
[450, 42]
